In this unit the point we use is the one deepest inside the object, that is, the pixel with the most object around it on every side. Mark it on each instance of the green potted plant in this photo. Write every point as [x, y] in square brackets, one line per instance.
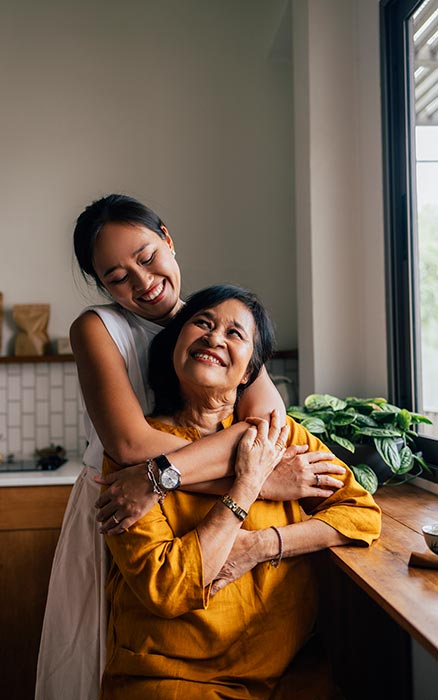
[373, 437]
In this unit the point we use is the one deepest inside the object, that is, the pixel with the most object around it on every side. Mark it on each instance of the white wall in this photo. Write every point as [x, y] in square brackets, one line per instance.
[338, 195]
[180, 103]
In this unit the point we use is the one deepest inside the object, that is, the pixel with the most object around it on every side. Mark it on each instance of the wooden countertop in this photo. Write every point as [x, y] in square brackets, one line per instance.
[409, 595]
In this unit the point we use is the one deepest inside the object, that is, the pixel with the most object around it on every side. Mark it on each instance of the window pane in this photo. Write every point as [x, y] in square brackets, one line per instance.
[424, 40]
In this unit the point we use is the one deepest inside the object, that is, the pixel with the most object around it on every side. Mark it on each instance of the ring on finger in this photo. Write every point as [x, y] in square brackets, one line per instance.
[281, 445]
[318, 479]
[116, 520]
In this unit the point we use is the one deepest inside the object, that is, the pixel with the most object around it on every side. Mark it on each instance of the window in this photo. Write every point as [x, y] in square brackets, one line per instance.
[409, 30]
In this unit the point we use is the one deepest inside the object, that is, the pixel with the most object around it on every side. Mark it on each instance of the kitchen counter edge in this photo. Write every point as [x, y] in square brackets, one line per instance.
[64, 475]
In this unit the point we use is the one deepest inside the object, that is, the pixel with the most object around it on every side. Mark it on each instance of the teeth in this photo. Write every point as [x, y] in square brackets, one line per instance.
[153, 295]
[206, 356]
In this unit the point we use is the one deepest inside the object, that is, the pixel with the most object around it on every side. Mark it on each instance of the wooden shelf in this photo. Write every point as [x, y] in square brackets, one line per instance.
[27, 359]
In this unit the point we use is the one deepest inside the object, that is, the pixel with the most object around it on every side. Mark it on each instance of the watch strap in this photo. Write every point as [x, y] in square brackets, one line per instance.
[234, 507]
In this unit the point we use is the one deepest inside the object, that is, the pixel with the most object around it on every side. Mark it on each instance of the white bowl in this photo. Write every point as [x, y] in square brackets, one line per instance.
[430, 533]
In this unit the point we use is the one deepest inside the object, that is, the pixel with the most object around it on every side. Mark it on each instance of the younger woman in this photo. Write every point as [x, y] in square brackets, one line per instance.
[126, 250]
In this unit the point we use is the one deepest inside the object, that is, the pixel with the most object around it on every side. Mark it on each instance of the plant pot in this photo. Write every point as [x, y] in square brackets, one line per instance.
[366, 454]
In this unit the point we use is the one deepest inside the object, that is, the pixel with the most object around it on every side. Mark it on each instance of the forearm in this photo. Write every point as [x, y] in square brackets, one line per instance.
[218, 487]
[261, 398]
[298, 538]
[219, 529]
[212, 457]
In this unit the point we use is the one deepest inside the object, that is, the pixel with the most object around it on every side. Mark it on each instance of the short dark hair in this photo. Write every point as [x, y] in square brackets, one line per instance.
[114, 208]
[162, 376]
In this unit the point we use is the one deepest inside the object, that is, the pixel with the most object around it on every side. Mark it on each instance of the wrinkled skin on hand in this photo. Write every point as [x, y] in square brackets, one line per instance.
[242, 558]
[295, 477]
[129, 494]
[128, 497]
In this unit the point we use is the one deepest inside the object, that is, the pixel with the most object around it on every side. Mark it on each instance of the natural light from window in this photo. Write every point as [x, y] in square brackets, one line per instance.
[427, 222]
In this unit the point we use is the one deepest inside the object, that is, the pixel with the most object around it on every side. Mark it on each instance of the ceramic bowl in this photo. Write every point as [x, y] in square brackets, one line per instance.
[430, 533]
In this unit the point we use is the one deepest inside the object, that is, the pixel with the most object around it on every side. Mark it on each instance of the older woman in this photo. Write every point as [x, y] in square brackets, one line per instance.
[173, 631]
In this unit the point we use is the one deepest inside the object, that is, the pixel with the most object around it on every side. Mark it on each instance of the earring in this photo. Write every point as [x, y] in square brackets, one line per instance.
[173, 252]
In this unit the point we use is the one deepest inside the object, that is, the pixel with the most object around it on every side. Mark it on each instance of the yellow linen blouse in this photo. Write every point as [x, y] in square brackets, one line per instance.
[169, 639]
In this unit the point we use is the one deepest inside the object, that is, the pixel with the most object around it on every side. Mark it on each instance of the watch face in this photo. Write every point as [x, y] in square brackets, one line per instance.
[170, 478]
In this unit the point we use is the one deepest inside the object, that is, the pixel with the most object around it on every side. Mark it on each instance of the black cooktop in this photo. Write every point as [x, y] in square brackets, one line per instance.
[30, 465]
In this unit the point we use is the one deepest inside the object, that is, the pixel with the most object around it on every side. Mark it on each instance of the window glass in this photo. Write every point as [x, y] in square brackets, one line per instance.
[423, 67]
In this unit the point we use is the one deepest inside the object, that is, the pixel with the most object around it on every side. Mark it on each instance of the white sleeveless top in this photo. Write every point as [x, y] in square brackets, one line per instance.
[132, 335]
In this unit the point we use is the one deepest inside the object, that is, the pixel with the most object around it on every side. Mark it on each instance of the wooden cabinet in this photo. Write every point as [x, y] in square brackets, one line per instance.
[30, 523]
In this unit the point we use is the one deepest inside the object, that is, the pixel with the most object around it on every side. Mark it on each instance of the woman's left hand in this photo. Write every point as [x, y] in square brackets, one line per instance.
[128, 497]
[243, 557]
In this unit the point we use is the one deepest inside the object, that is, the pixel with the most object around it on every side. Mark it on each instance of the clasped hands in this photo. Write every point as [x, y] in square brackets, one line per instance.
[299, 474]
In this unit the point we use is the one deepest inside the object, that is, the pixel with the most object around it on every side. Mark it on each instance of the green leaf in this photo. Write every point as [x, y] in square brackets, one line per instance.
[406, 460]
[388, 451]
[317, 402]
[343, 442]
[417, 418]
[418, 458]
[366, 477]
[392, 409]
[380, 432]
[297, 412]
[362, 419]
[343, 418]
[404, 419]
[385, 416]
[314, 425]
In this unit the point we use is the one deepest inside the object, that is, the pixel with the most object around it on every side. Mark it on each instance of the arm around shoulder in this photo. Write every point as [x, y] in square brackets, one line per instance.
[111, 402]
[260, 399]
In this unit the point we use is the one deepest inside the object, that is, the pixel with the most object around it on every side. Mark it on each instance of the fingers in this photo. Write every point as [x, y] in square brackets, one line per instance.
[331, 468]
[281, 441]
[328, 482]
[110, 527]
[294, 450]
[313, 457]
[275, 426]
[103, 499]
[106, 480]
[217, 585]
[106, 511]
[272, 430]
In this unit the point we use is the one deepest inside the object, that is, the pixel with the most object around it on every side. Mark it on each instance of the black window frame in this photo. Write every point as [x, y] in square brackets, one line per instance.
[399, 219]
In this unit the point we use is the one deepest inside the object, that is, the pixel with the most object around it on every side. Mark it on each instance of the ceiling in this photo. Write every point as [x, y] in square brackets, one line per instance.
[425, 41]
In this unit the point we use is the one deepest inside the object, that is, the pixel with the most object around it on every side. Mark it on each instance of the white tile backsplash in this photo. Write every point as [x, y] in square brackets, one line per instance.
[56, 426]
[42, 386]
[28, 376]
[43, 439]
[56, 399]
[71, 387]
[14, 440]
[56, 375]
[39, 405]
[13, 387]
[28, 425]
[42, 413]
[14, 414]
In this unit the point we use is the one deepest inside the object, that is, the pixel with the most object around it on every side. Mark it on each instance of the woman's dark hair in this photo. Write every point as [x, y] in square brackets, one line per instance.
[162, 376]
[114, 208]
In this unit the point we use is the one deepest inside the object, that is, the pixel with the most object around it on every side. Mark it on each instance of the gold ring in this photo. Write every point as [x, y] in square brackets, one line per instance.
[280, 444]
[116, 520]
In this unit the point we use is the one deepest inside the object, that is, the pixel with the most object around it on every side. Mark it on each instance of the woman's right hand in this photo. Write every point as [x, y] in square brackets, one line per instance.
[260, 449]
[303, 474]
[128, 497]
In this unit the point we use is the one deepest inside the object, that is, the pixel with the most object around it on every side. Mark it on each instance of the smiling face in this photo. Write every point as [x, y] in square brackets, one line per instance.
[139, 270]
[214, 348]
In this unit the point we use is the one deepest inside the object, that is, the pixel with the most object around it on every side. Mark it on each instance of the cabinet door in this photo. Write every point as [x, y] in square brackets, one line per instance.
[30, 522]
